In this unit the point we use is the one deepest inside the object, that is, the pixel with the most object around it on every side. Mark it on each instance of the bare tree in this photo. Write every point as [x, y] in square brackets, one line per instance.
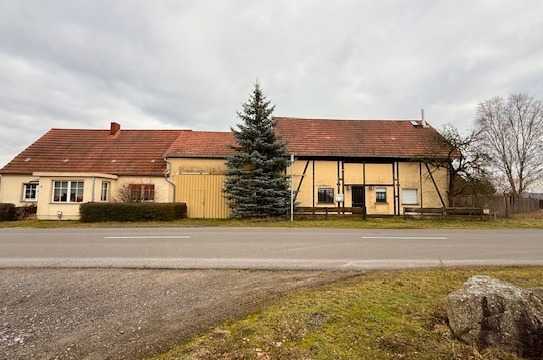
[136, 193]
[124, 194]
[466, 161]
[512, 137]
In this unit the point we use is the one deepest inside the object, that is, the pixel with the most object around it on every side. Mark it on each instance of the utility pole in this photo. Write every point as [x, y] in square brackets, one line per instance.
[292, 187]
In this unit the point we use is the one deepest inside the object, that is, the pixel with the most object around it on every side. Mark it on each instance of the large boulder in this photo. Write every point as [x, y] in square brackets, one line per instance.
[489, 312]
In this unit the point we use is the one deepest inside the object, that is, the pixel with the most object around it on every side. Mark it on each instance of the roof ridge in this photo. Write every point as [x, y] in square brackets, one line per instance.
[107, 130]
[338, 119]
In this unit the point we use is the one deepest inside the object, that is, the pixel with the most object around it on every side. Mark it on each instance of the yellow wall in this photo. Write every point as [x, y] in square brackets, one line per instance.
[11, 189]
[376, 176]
[199, 183]
[430, 197]
[203, 192]
[197, 166]
[203, 195]
[163, 190]
[47, 210]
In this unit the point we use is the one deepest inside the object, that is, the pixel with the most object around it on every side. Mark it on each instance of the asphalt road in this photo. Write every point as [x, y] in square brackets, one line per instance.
[267, 248]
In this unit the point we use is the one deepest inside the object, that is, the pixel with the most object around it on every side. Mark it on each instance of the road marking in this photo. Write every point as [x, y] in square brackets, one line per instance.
[149, 237]
[407, 237]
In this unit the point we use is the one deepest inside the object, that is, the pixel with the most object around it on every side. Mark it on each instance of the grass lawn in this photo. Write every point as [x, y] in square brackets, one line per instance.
[534, 221]
[379, 315]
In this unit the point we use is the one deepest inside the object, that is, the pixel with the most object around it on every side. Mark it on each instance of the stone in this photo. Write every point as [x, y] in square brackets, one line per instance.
[489, 312]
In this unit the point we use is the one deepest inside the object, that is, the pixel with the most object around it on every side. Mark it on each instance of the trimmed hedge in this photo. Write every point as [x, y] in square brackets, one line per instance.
[7, 212]
[95, 212]
[25, 212]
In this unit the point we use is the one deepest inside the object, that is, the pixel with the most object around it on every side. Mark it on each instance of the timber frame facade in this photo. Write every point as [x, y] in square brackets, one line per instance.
[356, 182]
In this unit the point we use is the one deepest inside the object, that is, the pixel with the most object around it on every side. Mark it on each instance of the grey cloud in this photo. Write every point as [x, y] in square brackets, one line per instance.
[191, 64]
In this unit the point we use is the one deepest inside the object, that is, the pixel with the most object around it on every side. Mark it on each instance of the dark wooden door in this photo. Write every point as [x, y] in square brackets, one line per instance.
[359, 196]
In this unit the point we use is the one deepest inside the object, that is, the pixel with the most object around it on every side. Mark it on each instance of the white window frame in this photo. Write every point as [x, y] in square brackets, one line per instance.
[108, 191]
[69, 190]
[35, 183]
[417, 200]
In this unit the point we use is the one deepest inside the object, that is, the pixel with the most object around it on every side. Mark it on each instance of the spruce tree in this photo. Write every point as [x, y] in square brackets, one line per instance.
[256, 182]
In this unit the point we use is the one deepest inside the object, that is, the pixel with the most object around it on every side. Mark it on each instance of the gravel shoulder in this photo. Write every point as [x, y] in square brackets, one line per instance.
[127, 314]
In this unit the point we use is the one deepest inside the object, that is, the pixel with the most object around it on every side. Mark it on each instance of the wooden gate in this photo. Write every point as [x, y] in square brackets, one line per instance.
[203, 194]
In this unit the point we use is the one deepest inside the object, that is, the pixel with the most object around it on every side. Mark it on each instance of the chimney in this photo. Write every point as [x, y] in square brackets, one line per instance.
[114, 129]
[422, 119]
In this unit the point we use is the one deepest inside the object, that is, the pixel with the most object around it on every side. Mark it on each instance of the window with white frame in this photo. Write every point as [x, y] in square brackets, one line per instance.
[30, 191]
[410, 196]
[67, 191]
[104, 192]
[381, 195]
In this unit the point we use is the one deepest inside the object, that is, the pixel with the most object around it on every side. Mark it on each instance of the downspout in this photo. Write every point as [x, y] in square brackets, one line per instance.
[93, 188]
[167, 174]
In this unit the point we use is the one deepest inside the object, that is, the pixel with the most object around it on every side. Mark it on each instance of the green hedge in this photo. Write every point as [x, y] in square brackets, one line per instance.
[7, 212]
[94, 212]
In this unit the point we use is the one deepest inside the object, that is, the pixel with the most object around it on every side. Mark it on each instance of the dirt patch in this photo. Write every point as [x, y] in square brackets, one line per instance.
[127, 314]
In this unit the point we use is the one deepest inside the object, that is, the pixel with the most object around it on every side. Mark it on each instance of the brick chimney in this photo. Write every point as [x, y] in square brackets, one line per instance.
[114, 129]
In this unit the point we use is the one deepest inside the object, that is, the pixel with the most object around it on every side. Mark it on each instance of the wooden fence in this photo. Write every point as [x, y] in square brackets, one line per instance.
[499, 205]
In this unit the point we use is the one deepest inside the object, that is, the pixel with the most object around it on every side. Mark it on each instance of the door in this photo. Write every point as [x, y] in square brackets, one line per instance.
[359, 196]
[203, 194]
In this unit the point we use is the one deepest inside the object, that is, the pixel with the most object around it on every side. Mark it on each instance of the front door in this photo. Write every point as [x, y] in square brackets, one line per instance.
[359, 196]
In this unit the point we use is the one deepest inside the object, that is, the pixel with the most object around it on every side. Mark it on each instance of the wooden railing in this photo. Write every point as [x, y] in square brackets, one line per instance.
[329, 210]
[442, 212]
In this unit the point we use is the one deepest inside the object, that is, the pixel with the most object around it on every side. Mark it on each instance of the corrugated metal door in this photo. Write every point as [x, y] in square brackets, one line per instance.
[203, 195]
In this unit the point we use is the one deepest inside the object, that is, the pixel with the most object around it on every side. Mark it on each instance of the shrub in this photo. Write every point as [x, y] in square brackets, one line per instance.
[7, 212]
[94, 212]
[25, 212]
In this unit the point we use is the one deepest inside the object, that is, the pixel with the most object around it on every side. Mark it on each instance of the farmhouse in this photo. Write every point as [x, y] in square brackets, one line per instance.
[382, 165]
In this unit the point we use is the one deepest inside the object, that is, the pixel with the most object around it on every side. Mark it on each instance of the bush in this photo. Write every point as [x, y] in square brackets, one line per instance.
[7, 212]
[25, 212]
[94, 212]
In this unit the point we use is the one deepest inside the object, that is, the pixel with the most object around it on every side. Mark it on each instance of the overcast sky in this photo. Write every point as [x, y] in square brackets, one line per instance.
[190, 64]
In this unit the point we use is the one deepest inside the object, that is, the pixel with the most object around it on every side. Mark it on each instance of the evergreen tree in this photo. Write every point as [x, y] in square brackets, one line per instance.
[256, 183]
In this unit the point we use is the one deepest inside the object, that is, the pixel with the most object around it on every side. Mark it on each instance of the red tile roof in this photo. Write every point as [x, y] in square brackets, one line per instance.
[142, 152]
[204, 144]
[130, 152]
[360, 138]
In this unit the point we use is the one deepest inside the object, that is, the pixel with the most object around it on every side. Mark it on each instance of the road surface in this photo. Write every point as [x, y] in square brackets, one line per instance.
[267, 248]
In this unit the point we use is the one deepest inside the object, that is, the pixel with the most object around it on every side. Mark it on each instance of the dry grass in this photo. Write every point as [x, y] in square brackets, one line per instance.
[381, 315]
[529, 221]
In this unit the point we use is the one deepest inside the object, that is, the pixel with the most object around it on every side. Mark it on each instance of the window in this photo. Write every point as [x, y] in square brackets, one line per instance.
[67, 191]
[381, 195]
[142, 192]
[410, 197]
[326, 196]
[30, 191]
[104, 193]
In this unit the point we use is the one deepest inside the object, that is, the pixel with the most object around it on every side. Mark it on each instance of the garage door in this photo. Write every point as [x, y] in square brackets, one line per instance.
[203, 195]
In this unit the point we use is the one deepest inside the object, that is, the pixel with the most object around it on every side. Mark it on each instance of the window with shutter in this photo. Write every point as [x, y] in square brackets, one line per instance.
[142, 192]
[410, 196]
